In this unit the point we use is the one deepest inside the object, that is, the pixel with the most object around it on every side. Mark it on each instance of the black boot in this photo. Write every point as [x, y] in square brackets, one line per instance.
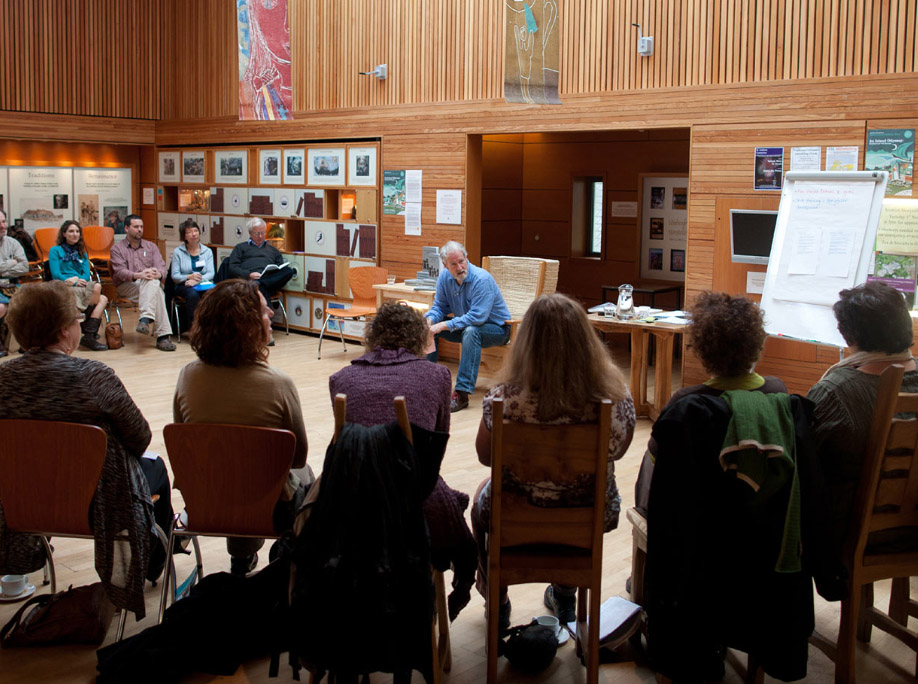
[90, 338]
[4, 337]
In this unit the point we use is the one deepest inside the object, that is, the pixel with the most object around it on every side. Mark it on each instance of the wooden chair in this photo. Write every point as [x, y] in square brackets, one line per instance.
[440, 643]
[46, 489]
[231, 477]
[530, 543]
[887, 499]
[361, 280]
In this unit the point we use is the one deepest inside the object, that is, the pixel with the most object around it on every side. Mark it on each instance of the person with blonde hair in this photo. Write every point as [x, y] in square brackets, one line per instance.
[557, 372]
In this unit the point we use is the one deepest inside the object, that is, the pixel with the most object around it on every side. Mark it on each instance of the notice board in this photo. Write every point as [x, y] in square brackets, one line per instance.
[824, 239]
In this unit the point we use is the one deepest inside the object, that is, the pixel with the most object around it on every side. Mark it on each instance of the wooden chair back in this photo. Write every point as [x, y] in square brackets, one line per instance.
[49, 471]
[45, 239]
[401, 415]
[888, 493]
[99, 241]
[230, 476]
[361, 280]
[534, 452]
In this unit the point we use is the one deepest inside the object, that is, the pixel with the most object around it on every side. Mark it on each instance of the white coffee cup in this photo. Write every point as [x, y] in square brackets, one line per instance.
[12, 585]
[550, 621]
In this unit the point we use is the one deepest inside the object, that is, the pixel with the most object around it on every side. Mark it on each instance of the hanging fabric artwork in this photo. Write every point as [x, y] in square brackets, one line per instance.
[265, 89]
[532, 52]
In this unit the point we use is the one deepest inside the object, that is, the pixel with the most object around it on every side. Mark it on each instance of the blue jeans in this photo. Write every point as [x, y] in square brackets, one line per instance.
[473, 339]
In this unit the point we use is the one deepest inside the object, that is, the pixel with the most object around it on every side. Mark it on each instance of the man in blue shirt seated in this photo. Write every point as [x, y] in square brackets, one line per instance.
[479, 318]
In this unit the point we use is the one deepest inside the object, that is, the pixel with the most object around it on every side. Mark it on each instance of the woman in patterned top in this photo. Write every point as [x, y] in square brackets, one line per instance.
[557, 372]
[47, 383]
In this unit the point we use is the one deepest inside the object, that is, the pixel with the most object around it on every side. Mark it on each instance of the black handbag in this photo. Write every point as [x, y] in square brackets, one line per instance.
[75, 616]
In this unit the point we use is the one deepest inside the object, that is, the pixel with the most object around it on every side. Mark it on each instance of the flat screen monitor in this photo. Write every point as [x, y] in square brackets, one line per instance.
[751, 233]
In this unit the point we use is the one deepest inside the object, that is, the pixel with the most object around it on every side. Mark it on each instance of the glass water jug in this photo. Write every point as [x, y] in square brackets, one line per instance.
[625, 307]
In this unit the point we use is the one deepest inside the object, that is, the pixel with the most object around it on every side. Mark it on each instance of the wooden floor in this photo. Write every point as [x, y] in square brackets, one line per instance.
[150, 377]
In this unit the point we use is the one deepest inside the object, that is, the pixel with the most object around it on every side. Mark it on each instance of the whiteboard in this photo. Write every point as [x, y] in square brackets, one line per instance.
[824, 240]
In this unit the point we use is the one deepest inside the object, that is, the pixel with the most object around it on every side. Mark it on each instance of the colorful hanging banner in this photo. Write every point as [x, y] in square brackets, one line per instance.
[265, 89]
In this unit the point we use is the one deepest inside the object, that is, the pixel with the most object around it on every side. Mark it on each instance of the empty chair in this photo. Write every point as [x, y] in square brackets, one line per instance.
[361, 280]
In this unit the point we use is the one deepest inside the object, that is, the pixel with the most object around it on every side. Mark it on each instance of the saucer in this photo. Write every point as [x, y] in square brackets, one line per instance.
[24, 594]
[563, 634]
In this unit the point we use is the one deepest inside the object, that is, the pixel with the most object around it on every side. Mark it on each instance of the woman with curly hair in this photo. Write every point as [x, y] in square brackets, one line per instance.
[727, 335]
[69, 262]
[394, 365]
[231, 382]
[557, 373]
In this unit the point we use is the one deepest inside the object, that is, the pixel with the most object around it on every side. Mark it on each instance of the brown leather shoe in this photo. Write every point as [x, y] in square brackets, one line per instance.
[459, 401]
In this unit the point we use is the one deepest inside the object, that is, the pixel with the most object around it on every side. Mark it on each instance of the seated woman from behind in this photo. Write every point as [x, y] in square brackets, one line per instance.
[875, 322]
[727, 335]
[231, 382]
[69, 262]
[192, 264]
[557, 372]
[393, 366]
[47, 383]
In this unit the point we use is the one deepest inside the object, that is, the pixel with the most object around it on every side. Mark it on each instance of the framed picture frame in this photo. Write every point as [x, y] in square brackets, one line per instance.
[269, 167]
[325, 166]
[361, 166]
[231, 166]
[294, 167]
[168, 167]
[193, 166]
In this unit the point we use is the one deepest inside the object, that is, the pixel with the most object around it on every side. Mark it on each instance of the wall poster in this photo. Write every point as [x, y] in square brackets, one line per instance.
[361, 166]
[193, 167]
[893, 151]
[269, 167]
[326, 166]
[394, 192]
[168, 167]
[664, 227]
[293, 167]
[103, 195]
[532, 52]
[231, 166]
[42, 196]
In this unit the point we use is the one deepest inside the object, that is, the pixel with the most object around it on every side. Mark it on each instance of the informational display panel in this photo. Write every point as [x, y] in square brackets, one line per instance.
[824, 238]
[102, 197]
[42, 196]
[664, 226]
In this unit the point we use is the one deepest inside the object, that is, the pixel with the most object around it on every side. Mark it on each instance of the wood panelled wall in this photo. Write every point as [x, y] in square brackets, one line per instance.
[527, 198]
[443, 50]
[83, 57]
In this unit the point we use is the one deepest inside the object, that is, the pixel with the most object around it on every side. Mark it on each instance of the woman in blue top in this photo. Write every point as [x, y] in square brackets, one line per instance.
[69, 262]
[192, 264]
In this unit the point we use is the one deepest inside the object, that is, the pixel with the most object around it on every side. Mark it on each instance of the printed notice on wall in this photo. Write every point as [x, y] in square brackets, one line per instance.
[413, 185]
[412, 218]
[841, 158]
[624, 209]
[898, 229]
[769, 168]
[805, 158]
[449, 206]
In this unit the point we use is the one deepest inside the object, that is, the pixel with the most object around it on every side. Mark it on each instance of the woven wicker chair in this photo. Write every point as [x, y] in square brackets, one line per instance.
[521, 281]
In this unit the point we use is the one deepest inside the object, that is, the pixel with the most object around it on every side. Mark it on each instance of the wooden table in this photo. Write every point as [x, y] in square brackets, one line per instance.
[400, 291]
[652, 289]
[641, 334]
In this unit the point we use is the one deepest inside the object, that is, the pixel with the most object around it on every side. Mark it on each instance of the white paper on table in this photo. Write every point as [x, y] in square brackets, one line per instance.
[412, 218]
[755, 282]
[449, 206]
[805, 251]
[673, 320]
[836, 262]
[413, 185]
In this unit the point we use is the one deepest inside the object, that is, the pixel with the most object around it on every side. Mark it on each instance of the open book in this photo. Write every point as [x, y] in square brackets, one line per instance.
[275, 267]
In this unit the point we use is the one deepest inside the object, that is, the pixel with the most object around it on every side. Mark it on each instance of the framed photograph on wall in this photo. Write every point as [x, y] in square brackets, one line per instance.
[193, 167]
[269, 167]
[231, 166]
[325, 166]
[294, 165]
[361, 166]
[168, 167]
